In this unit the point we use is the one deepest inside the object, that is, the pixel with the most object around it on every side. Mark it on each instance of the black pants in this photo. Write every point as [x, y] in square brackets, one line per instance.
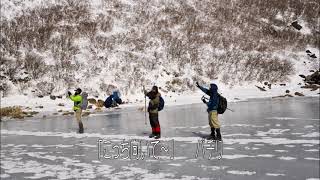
[154, 122]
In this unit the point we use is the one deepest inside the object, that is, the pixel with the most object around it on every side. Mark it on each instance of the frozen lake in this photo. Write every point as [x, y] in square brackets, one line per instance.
[263, 139]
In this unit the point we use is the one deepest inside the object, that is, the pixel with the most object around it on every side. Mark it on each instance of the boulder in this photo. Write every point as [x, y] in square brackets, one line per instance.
[296, 25]
[260, 88]
[92, 101]
[52, 97]
[100, 103]
[298, 94]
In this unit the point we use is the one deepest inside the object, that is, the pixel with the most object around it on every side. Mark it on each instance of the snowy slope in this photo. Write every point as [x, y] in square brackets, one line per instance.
[53, 46]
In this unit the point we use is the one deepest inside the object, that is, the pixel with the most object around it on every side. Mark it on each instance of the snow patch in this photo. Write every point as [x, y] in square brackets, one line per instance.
[274, 174]
[311, 158]
[313, 134]
[287, 158]
[242, 172]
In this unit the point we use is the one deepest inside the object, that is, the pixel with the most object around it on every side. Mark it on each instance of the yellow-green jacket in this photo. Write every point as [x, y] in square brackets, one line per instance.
[77, 101]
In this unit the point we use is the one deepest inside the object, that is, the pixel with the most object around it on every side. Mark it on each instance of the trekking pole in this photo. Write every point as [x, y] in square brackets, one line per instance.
[145, 107]
[230, 110]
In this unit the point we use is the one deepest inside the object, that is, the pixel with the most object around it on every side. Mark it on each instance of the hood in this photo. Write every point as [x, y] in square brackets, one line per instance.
[84, 95]
[213, 90]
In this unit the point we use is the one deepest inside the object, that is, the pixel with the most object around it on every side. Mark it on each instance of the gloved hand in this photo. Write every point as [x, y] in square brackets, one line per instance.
[69, 93]
[197, 84]
[204, 101]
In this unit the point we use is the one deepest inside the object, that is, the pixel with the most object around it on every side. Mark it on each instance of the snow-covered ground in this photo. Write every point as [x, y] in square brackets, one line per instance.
[235, 94]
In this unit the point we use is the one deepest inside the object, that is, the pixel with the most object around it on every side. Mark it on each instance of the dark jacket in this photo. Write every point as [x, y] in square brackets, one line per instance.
[214, 98]
[154, 102]
[112, 101]
[108, 102]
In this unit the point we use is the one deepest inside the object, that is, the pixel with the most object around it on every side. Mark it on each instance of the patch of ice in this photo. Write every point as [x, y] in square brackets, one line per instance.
[241, 172]
[313, 179]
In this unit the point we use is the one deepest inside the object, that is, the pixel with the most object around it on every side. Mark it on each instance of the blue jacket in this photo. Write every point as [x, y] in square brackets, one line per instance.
[214, 98]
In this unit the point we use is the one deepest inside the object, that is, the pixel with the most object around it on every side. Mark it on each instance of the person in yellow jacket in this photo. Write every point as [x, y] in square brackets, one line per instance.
[77, 99]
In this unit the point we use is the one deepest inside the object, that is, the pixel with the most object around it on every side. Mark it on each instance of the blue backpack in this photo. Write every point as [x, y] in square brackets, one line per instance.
[161, 103]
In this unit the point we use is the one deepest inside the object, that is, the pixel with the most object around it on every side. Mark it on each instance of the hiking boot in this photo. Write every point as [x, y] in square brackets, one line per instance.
[219, 138]
[212, 135]
[152, 135]
[81, 128]
[157, 136]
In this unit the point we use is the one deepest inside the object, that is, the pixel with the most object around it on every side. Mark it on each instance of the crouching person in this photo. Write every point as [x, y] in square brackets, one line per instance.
[113, 100]
[77, 99]
[212, 110]
[154, 97]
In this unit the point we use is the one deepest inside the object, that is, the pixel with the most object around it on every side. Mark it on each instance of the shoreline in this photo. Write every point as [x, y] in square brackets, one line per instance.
[49, 113]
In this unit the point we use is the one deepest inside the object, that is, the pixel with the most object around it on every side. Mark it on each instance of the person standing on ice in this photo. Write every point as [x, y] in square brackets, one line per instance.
[212, 110]
[77, 99]
[154, 97]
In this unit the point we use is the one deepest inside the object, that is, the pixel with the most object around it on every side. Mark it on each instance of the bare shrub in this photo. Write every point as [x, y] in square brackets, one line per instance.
[45, 88]
[34, 65]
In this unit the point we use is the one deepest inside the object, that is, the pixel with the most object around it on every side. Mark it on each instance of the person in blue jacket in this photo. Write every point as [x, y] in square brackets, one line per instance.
[212, 110]
[113, 100]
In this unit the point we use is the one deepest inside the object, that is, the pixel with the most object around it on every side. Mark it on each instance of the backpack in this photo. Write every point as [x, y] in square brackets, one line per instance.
[161, 103]
[222, 104]
[84, 103]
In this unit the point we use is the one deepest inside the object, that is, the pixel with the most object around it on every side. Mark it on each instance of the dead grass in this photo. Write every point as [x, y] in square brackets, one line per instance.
[16, 112]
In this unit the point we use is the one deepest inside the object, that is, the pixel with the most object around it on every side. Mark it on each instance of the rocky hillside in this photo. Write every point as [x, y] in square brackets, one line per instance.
[49, 46]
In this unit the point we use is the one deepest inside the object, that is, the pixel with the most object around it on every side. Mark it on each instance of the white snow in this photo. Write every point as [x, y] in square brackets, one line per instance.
[291, 118]
[313, 134]
[288, 158]
[281, 150]
[312, 150]
[272, 141]
[311, 158]
[274, 174]
[177, 165]
[241, 172]
[272, 132]
[266, 155]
